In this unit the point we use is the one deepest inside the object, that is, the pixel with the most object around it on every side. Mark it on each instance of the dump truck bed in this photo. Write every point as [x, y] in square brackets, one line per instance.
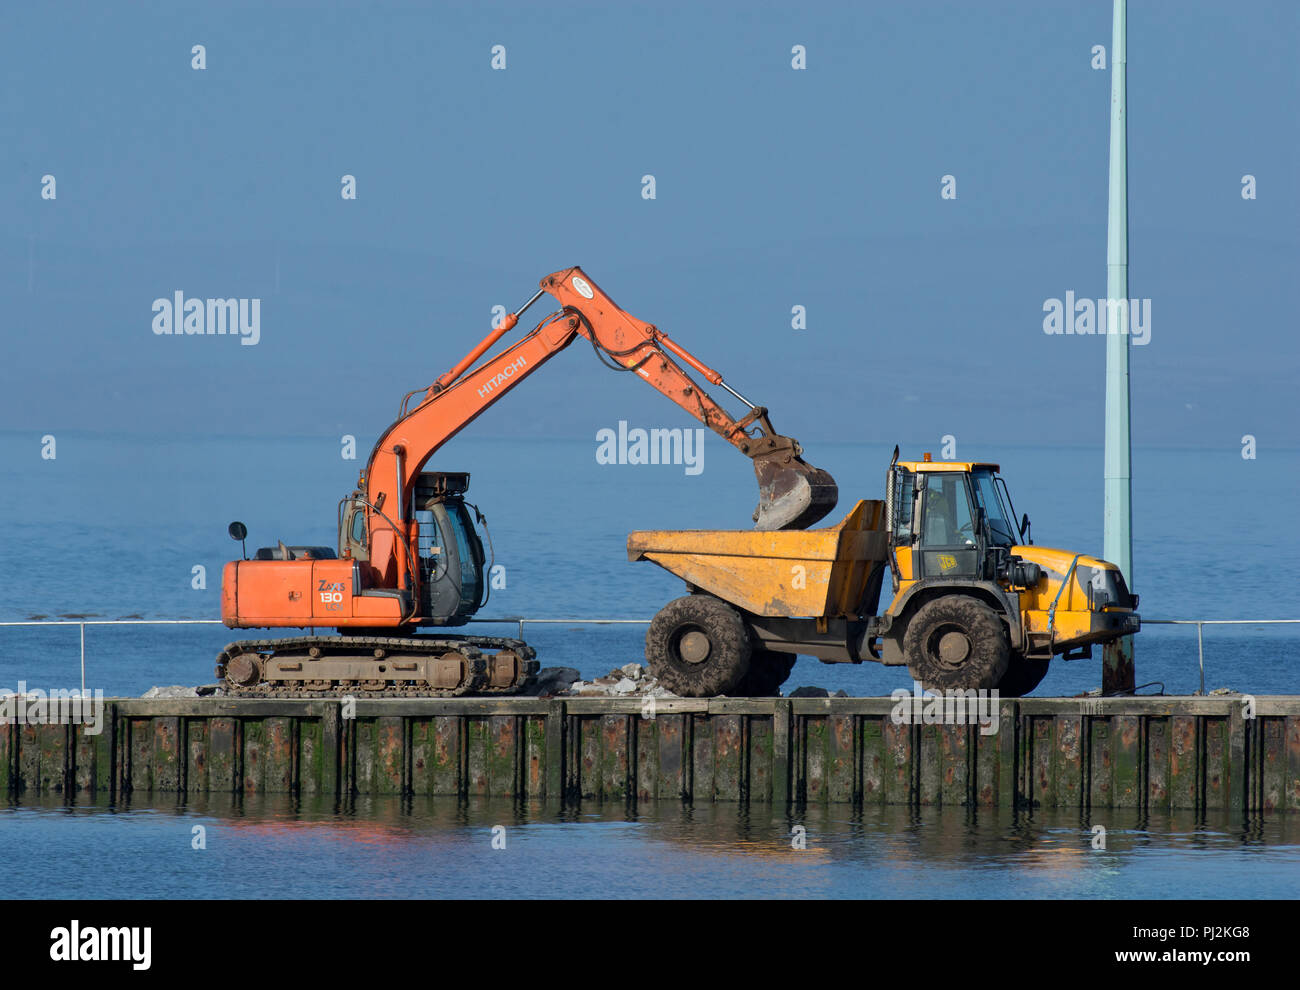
[791, 573]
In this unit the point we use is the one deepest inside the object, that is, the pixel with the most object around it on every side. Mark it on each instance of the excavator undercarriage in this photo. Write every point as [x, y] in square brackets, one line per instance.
[375, 666]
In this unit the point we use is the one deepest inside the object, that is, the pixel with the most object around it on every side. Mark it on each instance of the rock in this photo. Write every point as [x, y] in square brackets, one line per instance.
[550, 680]
[623, 683]
[841, 693]
[809, 692]
[174, 691]
[210, 690]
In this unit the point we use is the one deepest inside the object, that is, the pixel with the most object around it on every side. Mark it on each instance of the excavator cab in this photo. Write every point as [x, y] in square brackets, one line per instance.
[452, 565]
[450, 554]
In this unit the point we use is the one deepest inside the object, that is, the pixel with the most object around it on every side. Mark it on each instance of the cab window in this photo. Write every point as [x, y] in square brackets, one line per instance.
[946, 518]
[1002, 530]
[904, 492]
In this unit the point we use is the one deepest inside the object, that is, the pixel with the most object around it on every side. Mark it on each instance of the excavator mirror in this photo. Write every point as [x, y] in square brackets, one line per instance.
[238, 531]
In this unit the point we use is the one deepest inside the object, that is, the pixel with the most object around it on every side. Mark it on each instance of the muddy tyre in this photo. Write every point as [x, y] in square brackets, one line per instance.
[956, 642]
[698, 647]
[1022, 676]
[768, 670]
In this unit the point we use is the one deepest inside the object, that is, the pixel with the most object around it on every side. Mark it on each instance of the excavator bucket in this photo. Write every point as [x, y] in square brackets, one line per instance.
[792, 494]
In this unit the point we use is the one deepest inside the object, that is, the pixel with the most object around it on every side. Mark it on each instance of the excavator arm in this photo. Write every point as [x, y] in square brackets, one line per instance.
[792, 493]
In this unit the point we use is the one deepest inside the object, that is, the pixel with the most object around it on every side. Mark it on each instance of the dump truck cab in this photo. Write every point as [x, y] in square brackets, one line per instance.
[957, 554]
[946, 516]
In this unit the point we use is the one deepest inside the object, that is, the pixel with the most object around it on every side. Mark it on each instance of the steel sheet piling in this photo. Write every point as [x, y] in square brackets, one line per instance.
[1138, 754]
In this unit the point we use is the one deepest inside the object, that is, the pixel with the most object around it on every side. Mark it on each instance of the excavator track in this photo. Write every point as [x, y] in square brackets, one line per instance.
[375, 666]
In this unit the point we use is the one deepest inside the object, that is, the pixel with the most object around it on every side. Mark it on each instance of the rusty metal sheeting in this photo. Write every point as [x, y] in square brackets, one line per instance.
[1145, 754]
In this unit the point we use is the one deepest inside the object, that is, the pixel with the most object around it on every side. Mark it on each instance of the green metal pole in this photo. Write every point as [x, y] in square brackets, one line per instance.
[1117, 658]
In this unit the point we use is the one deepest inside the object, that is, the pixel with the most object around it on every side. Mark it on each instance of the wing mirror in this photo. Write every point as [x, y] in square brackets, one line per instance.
[238, 531]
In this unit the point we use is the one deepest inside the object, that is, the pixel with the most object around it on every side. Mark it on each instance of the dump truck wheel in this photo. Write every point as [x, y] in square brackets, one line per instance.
[698, 647]
[1022, 676]
[768, 670]
[956, 642]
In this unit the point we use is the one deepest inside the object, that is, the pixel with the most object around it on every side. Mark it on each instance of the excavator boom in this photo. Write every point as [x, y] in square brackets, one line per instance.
[792, 493]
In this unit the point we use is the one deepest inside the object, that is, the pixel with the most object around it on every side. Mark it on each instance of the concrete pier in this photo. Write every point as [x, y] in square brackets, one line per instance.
[1150, 753]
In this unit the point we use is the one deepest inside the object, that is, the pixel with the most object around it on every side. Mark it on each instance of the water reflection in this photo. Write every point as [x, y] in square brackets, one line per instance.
[381, 846]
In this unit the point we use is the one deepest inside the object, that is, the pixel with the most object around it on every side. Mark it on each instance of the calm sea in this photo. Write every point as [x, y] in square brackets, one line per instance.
[278, 847]
[136, 526]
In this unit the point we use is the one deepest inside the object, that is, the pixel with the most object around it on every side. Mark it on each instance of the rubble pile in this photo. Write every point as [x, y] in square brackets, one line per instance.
[632, 680]
[629, 681]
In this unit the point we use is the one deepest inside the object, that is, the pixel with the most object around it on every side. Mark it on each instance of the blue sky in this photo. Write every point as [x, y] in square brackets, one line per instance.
[774, 188]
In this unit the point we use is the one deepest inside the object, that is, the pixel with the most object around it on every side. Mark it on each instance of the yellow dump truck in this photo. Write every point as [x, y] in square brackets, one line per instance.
[975, 604]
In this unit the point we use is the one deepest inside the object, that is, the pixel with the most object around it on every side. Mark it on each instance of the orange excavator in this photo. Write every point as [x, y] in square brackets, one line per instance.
[409, 555]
